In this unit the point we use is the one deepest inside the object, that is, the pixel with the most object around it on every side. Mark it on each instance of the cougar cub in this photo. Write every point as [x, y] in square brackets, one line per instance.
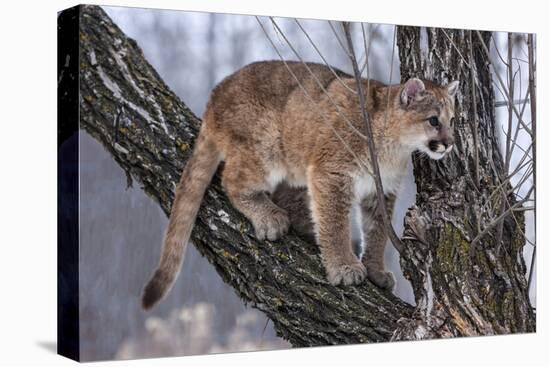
[268, 131]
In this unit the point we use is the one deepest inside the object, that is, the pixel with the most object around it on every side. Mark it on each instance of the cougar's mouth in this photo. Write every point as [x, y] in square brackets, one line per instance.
[437, 149]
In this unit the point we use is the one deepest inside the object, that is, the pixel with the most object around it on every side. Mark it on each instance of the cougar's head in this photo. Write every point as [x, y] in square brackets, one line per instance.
[428, 109]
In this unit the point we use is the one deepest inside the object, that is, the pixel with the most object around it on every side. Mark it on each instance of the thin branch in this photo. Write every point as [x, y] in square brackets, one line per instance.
[367, 47]
[456, 48]
[525, 208]
[508, 97]
[497, 220]
[518, 185]
[518, 74]
[366, 65]
[504, 181]
[504, 195]
[508, 154]
[533, 97]
[532, 266]
[507, 103]
[346, 51]
[321, 86]
[518, 126]
[390, 80]
[372, 149]
[514, 143]
[526, 157]
[474, 106]
[323, 58]
[498, 52]
[508, 150]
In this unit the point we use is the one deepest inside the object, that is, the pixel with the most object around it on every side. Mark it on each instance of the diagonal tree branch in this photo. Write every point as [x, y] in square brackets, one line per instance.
[151, 142]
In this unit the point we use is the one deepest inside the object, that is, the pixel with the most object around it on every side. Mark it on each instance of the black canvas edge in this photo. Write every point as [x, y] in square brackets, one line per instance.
[68, 331]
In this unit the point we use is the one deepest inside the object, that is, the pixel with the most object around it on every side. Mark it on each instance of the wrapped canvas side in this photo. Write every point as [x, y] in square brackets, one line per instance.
[68, 340]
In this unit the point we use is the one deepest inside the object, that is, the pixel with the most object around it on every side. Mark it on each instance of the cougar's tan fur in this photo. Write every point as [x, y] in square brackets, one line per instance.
[268, 131]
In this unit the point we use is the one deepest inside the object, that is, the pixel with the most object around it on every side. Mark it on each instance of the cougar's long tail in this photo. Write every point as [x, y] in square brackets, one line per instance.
[195, 178]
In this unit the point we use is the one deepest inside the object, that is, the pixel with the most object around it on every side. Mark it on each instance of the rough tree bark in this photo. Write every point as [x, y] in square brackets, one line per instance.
[149, 131]
[462, 288]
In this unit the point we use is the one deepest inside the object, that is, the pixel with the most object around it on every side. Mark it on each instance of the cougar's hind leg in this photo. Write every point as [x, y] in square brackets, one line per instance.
[248, 190]
[295, 201]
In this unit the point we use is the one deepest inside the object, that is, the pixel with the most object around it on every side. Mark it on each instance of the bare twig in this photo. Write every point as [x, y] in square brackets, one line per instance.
[474, 105]
[532, 67]
[366, 66]
[321, 86]
[346, 51]
[505, 180]
[532, 266]
[525, 176]
[390, 80]
[518, 127]
[497, 220]
[498, 52]
[525, 208]
[508, 154]
[508, 150]
[507, 103]
[526, 157]
[513, 141]
[323, 58]
[366, 47]
[372, 149]
[502, 84]
[504, 193]
[533, 95]
[456, 48]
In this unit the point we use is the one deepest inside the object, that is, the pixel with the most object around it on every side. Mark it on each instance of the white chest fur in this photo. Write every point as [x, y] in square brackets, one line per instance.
[364, 185]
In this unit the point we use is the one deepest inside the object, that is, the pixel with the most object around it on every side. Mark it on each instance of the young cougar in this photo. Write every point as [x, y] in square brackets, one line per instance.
[268, 131]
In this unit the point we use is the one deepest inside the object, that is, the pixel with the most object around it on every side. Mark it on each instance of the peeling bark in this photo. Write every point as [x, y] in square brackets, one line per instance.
[460, 289]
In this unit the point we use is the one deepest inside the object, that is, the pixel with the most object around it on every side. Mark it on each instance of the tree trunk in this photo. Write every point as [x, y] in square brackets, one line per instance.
[462, 288]
[126, 106]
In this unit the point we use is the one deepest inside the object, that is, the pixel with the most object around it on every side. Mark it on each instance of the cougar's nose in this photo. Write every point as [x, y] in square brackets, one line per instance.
[448, 142]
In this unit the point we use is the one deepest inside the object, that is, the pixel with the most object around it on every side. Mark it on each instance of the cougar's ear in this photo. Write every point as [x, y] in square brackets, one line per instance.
[452, 88]
[410, 91]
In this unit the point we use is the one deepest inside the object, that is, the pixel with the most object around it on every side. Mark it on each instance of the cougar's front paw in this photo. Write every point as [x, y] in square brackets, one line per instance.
[382, 279]
[346, 274]
[272, 226]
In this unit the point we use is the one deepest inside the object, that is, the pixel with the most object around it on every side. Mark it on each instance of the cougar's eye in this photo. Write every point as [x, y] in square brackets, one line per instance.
[434, 121]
